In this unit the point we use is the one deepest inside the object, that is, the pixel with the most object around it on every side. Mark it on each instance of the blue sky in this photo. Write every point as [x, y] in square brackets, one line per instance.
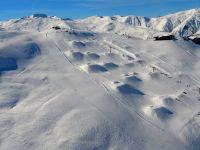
[84, 8]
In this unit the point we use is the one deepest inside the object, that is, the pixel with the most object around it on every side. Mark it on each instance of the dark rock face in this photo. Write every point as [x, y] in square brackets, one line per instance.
[161, 38]
[196, 40]
[56, 28]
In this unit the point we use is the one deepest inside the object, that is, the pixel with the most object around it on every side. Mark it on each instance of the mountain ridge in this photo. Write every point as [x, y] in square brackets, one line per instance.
[183, 24]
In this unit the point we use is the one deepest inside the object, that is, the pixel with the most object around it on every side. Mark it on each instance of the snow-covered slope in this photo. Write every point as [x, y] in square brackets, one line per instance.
[84, 87]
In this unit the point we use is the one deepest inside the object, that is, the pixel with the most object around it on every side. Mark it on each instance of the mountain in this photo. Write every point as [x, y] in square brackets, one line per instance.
[100, 83]
[182, 24]
[36, 22]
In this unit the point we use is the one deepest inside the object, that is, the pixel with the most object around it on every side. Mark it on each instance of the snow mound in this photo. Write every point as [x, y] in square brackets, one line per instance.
[133, 79]
[169, 101]
[111, 66]
[78, 44]
[163, 113]
[12, 58]
[94, 68]
[29, 50]
[126, 89]
[93, 56]
[77, 56]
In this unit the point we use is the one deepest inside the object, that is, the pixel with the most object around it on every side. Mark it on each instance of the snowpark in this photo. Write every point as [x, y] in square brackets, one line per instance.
[100, 83]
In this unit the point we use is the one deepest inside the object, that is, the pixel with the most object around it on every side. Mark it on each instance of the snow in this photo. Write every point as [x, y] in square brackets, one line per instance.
[183, 23]
[85, 87]
[34, 24]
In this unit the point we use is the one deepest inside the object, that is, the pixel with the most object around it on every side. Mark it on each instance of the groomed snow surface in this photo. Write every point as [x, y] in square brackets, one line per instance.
[78, 89]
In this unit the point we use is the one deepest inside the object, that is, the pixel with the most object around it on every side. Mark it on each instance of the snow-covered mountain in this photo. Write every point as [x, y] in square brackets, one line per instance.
[96, 84]
[33, 23]
[184, 24]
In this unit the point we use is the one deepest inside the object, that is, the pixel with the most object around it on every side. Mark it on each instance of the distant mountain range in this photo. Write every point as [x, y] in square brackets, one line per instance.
[185, 23]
